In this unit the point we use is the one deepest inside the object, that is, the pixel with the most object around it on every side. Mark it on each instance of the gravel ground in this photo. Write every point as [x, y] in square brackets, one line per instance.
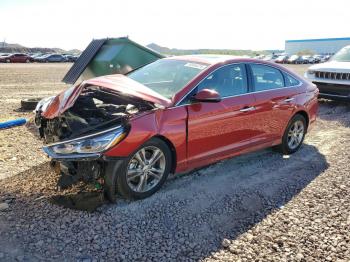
[256, 207]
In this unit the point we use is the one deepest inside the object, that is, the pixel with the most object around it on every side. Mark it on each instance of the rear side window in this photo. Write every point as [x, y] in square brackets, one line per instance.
[291, 81]
[228, 81]
[266, 77]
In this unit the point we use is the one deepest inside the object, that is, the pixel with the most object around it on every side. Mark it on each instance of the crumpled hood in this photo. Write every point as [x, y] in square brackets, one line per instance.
[120, 83]
[332, 66]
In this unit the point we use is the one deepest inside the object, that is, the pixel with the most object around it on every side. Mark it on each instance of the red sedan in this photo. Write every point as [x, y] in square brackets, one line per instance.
[16, 58]
[127, 133]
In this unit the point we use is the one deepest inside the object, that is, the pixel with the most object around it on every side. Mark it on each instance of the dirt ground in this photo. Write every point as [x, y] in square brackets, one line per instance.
[256, 207]
[18, 150]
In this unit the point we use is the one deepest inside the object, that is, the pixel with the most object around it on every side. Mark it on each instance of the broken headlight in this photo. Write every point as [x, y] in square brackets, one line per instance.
[90, 144]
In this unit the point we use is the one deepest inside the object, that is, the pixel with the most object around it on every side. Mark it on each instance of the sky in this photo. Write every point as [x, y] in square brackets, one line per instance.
[186, 24]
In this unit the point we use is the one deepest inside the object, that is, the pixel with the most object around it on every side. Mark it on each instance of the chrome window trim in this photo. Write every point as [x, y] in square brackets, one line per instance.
[254, 92]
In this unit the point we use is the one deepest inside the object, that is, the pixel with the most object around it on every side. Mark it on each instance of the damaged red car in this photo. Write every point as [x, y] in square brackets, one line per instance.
[128, 132]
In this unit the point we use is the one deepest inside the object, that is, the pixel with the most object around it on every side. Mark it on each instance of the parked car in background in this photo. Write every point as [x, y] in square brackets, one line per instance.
[295, 59]
[170, 116]
[41, 58]
[259, 57]
[270, 58]
[34, 56]
[50, 58]
[16, 58]
[308, 59]
[70, 58]
[326, 58]
[318, 58]
[282, 59]
[333, 77]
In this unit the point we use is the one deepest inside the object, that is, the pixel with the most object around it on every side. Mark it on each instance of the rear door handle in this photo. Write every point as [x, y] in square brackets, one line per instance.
[248, 109]
[289, 99]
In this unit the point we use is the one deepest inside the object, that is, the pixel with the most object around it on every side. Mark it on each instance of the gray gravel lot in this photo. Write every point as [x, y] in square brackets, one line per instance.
[256, 207]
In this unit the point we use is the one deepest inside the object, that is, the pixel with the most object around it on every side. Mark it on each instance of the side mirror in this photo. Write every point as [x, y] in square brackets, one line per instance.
[207, 95]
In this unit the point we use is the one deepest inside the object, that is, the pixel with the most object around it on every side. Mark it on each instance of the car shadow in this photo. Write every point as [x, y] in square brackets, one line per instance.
[187, 219]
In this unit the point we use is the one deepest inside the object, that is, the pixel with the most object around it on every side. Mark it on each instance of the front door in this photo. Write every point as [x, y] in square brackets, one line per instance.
[217, 129]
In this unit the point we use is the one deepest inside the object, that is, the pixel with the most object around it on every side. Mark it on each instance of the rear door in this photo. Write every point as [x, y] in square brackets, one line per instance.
[275, 98]
[217, 129]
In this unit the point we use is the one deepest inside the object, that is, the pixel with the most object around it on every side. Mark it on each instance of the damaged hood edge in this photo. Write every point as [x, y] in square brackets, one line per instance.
[120, 83]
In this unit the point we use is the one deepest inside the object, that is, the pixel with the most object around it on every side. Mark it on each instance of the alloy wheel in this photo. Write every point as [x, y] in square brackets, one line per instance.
[145, 169]
[295, 134]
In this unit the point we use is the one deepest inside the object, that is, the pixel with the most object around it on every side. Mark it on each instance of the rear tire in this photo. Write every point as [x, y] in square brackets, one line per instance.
[294, 135]
[137, 177]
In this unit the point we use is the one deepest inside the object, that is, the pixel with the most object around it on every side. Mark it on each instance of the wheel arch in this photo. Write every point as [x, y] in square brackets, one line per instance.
[113, 168]
[305, 115]
[172, 149]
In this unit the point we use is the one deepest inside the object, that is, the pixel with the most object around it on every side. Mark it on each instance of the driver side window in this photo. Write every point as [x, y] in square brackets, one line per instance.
[228, 81]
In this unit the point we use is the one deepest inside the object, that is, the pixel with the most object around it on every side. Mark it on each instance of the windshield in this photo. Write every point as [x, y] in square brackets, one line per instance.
[343, 55]
[167, 77]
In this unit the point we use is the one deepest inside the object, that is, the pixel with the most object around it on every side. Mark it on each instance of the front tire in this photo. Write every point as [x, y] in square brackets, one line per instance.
[142, 173]
[294, 135]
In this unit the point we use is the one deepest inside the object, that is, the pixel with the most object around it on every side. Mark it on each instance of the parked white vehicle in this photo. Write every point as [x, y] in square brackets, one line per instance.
[308, 59]
[333, 77]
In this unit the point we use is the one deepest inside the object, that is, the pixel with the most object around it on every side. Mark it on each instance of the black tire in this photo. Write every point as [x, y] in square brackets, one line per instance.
[116, 173]
[285, 147]
[8, 61]
[30, 103]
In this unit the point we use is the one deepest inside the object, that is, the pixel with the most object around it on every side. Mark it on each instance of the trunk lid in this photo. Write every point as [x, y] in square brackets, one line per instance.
[109, 56]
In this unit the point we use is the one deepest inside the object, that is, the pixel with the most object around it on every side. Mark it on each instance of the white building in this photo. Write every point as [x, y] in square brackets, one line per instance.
[318, 46]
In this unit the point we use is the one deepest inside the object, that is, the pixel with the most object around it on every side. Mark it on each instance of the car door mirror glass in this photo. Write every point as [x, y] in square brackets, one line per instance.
[207, 95]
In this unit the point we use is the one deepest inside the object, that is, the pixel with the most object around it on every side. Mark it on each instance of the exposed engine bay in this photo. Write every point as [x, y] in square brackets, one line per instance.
[96, 110]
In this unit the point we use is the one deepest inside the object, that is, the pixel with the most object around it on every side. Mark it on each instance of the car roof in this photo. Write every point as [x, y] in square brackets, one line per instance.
[213, 60]
[207, 59]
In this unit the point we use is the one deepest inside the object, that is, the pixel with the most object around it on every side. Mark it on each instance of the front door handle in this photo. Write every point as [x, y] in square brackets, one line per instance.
[288, 99]
[248, 109]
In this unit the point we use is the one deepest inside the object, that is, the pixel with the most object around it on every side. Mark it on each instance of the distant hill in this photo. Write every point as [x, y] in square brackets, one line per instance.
[174, 51]
[17, 48]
